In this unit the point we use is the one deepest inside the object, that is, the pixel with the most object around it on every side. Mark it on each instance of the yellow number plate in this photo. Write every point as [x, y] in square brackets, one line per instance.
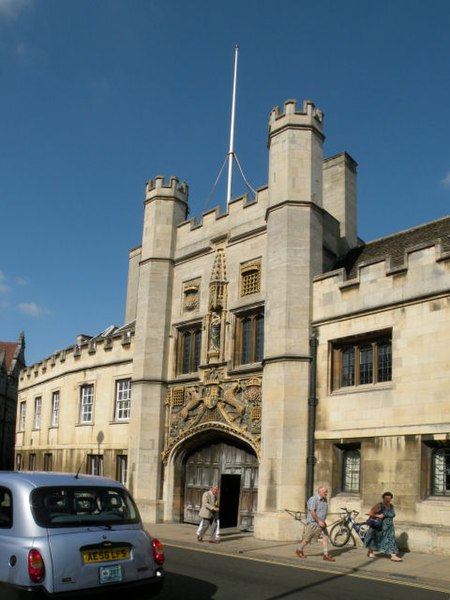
[104, 555]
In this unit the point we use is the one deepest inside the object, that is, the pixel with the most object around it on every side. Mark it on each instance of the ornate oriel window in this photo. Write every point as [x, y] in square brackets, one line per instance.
[250, 278]
[249, 339]
[189, 349]
[362, 360]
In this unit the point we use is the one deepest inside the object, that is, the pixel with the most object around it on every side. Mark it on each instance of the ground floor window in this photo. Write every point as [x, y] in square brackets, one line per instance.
[32, 462]
[440, 472]
[122, 468]
[346, 468]
[351, 470]
[95, 464]
[48, 461]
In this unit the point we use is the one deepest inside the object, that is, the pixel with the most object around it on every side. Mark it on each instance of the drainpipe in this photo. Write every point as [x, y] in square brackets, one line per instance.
[312, 403]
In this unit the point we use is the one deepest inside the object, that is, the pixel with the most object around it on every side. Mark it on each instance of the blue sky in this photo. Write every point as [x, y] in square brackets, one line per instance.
[98, 96]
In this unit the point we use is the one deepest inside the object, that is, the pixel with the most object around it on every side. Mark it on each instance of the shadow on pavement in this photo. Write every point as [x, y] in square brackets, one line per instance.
[187, 588]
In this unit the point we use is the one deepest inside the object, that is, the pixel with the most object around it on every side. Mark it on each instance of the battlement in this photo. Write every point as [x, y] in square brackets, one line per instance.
[113, 344]
[159, 188]
[383, 282]
[242, 217]
[309, 116]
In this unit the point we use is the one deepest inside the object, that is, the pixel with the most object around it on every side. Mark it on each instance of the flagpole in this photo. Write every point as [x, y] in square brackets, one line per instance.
[231, 147]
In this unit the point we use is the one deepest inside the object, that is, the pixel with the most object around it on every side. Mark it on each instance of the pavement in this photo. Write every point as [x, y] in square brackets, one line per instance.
[417, 570]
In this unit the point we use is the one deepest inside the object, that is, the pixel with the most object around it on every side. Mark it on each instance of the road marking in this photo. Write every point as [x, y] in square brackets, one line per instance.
[375, 577]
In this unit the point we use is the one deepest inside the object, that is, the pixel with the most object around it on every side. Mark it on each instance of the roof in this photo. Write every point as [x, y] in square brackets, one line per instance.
[7, 351]
[394, 247]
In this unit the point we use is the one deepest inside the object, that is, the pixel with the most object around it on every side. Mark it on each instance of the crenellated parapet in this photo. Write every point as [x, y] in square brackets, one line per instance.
[159, 188]
[423, 274]
[112, 345]
[243, 218]
[309, 117]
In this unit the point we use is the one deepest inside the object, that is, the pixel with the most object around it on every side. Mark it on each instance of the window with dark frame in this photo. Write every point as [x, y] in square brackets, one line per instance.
[48, 461]
[440, 471]
[95, 464]
[32, 462]
[122, 468]
[189, 349]
[351, 470]
[249, 341]
[365, 360]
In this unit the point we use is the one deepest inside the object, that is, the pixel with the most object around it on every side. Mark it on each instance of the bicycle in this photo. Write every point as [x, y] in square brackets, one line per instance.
[342, 530]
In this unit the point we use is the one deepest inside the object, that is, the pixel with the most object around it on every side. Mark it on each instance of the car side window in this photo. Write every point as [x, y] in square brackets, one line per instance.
[5, 508]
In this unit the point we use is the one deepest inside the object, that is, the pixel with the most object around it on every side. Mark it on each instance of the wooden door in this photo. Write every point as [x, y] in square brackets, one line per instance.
[205, 468]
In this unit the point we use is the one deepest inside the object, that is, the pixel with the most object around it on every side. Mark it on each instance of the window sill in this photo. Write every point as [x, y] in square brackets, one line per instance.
[248, 368]
[358, 389]
[186, 377]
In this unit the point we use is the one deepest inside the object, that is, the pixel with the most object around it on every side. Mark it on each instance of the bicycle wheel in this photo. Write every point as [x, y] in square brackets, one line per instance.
[339, 534]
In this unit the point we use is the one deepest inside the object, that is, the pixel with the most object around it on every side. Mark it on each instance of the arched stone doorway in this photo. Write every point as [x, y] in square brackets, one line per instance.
[232, 466]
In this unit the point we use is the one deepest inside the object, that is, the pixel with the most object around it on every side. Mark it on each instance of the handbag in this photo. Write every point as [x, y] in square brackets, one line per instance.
[375, 523]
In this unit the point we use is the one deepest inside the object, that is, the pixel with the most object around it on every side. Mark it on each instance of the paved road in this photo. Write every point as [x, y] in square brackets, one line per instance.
[197, 575]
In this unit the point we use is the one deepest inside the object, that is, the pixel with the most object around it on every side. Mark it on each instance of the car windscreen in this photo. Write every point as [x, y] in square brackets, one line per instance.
[80, 506]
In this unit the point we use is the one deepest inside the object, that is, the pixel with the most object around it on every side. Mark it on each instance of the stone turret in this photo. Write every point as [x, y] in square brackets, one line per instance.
[295, 153]
[294, 256]
[166, 207]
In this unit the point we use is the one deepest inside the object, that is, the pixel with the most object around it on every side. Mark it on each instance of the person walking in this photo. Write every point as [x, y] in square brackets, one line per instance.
[209, 512]
[383, 540]
[316, 526]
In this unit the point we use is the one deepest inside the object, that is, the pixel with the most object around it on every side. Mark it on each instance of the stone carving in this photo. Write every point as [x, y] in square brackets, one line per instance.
[229, 397]
[231, 405]
[191, 296]
[194, 400]
[214, 332]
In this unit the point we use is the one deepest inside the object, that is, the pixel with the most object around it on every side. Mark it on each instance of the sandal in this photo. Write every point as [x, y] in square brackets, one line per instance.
[370, 554]
[396, 558]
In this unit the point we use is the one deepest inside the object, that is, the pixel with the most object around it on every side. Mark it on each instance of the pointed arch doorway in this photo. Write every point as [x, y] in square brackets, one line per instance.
[234, 468]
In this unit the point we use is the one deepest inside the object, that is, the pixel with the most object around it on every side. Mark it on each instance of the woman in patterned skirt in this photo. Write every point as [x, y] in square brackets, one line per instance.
[383, 540]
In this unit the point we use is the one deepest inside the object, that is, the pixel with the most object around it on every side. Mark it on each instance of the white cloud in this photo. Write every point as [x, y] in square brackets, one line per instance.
[10, 9]
[21, 281]
[32, 309]
[446, 181]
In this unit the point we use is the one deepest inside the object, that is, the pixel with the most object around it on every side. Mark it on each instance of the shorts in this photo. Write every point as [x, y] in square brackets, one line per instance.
[313, 532]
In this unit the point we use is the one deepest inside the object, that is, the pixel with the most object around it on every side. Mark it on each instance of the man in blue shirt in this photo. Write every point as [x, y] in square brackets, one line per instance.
[316, 525]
